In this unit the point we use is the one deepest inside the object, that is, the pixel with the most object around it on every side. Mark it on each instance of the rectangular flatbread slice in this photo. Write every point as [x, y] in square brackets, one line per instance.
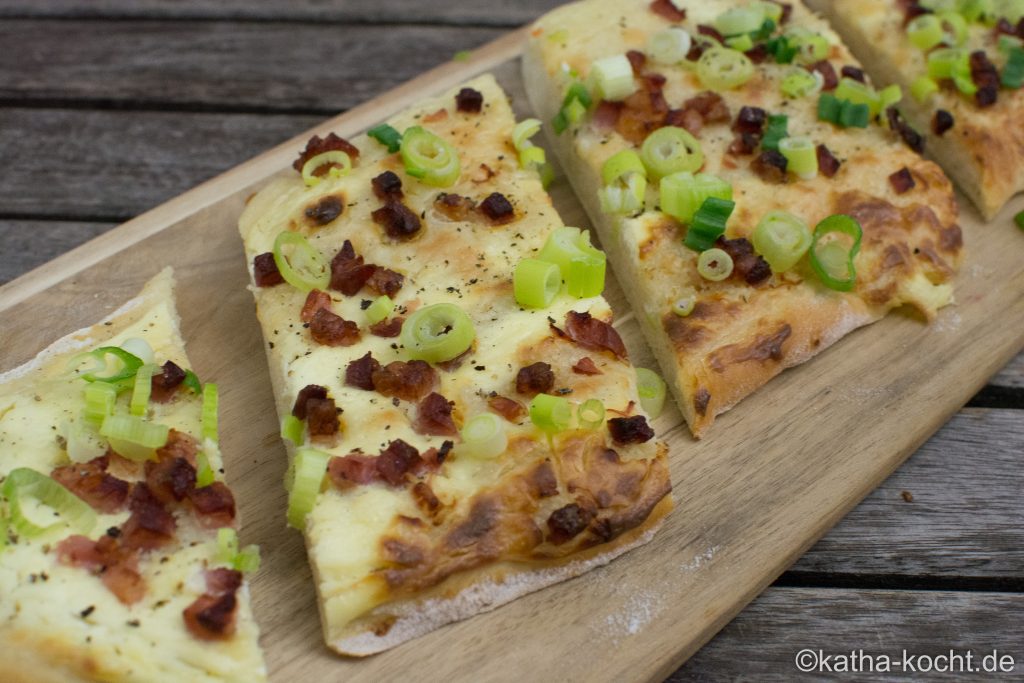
[973, 127]
[116, 563]
[442, 497]
[718, 340]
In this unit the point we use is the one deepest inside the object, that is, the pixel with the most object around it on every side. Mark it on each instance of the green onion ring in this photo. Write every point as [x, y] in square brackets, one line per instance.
[305, 268]
[826, 259]
[437, 333]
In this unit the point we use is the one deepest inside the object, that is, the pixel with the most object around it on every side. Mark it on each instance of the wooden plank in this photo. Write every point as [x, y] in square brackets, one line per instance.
[479, 12]
[304, 68]
[962, 517]
[27, 244]
[1012, 375]
[762, 643]
[744, 513]
[116, 164]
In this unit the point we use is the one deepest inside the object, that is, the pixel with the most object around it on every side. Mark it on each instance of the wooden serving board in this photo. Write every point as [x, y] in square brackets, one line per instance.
[771, 477]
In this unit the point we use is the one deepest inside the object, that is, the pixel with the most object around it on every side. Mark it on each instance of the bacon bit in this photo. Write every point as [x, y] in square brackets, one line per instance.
[828, 73]
[310, 391]
[389, 328]
[697, 48]
[536, 378]
[454, 206]
[212, 617]
[508, 408]
[326, 210]
[434, 416]
[606, 115]
[170, 479]
[264, 270]
[397, 219]
[690, 119]
[150, 525]
[354, 468]
[747, 265]
[396, 460]
[455, 363]
[942, 121]
[385, 281]
[90, 482]
[666, 10]
[439, 115]
[642, 112]
[222, 580]
[911, 137]
[435, 457]
[757, 54]
[387, 186]
[166, 382]
[750, 120]
[637, 60]
[770, 166]
[743, 144]
[116, 566]
[710, 106]
[585, 366]
[852, 72]
[827, 162]
[322, 418]
[214, 505]
[318, 145]
[902, 181]
[497, 209]
[591, 333]
[315, 301]
[469, 101]
[565, 523]
[626, 430]
[986, 77]
[179, 445]
[348, 272]
[409, 381]
[359, 373]
[710, 32]
[331, 329]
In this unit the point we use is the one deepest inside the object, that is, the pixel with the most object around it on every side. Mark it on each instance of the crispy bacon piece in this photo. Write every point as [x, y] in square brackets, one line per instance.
[310, 391]
[497, 208]
[626, 430]
[434, 457]
[212, 617]
[606, 115]
[389, 328]
[565, 523]
[315, 301]
[828, 74]
[643, 111]
[222, 580]
[591, 333]
[179, 445]
[434, 416]
[117, 567]
[425, 497]
[322, 418]
[385, 281]
[387, 186]
[747, 265]
[585, 366]
[637, 60]
[690, 119]
[359, 373]
[750, 120]
[852, 72]
[770, 166]
[986, 77]
[710, 32]
[710, 106]
[91, 482]
[150, 525]
[264, 270]
[508, 408]
[941, 122]
[354, 468]
[331, 329]
[536, 378]
[318, 145]
[902, 181]
[397, 219]
[170, 479]
[827, 162]
[166, 382]
[325, 210]
[666, 10]
[214, 505]
[455, 206]
[911, 137]
[348, 272]
[396, 460]
[409, 381]
[469, 100]
[743, 144]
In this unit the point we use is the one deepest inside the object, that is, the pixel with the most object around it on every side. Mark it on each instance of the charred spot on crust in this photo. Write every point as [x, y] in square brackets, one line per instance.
[325, 210]
[565, 523]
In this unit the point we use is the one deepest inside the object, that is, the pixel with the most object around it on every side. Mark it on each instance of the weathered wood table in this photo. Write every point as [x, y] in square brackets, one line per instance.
[109, 107]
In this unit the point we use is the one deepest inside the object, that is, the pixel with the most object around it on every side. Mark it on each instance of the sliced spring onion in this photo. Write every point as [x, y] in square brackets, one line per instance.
[204, 471]
[429, 158]
[962, 77]
[612, 78]
[954, 28]
[1013, 73]
[113, 365]
[591, 414]
[523, 131]
[669, 46]
[714, 264]
[586, 272]
[547, 175]
[721, 68]
[685, 304]
[300, 263]
[379, 309]
[974, 10]
[923, 88]
[670, 150]
[310, 465]
[535, 283]
[854, 114]
[532, 156]
[550, 413]
[782, 49]
[133, 437]
[925, 31]
[227, 544]
[622, 164]
[210, 403]
[810, 48]
[831, 259]
[292, 429]
[801, 82]
[782, 239]
[772, 10]
[437, 333]
[801, 156]
[942, 61]
[651, 388]
[192, 382]
[708, 223]
[574, 112]
[341, 164]
[1007, 43]
[625, 183]
[776, 129]
[737, 20]
[577, 99]
[139, 347]
[100, 398]
[858, 93]
[23, 484]
[141, 390]
[483, 436]
[83, 441]
[387, 136]
[889, 96]
[248, 559]
[682, 194]
[742, 43]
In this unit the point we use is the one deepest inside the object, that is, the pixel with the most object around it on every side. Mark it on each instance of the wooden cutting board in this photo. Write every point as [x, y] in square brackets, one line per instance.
[773, 475]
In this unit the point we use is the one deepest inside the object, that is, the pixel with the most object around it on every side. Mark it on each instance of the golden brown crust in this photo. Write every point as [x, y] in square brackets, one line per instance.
[39, 658]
